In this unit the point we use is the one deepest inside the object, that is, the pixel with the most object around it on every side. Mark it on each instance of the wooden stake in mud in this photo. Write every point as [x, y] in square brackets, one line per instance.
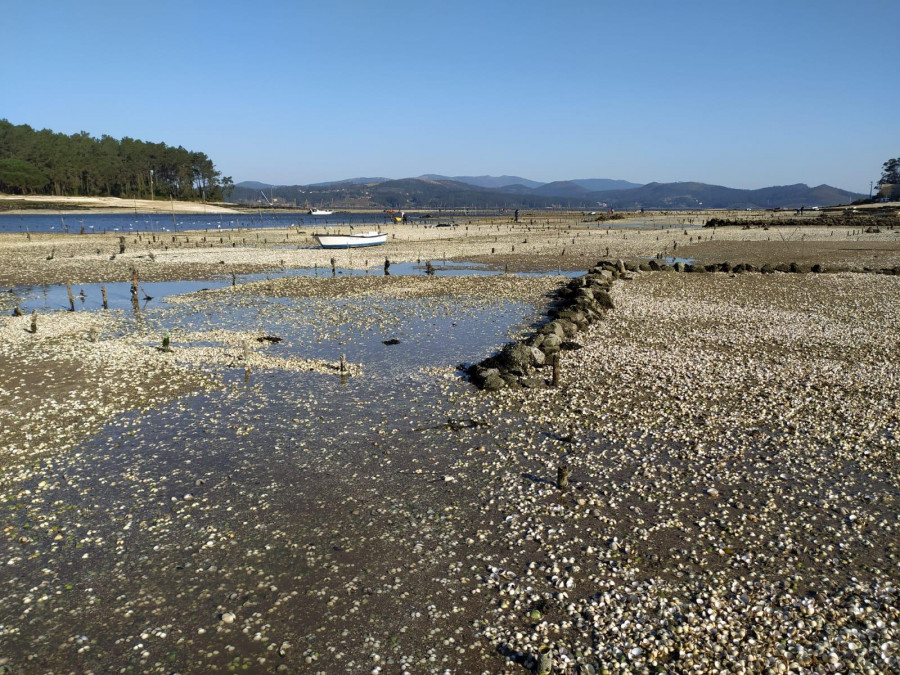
[71, 297]
[343, 364]
[556, 369]
[105, 301]
[135, 304]
[562, 476]
[134, 284]
[34, 321]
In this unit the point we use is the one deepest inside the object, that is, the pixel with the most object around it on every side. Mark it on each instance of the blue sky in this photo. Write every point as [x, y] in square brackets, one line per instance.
[744, 94]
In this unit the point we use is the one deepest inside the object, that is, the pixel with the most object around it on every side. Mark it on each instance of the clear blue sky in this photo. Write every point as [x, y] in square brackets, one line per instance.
[744, 93]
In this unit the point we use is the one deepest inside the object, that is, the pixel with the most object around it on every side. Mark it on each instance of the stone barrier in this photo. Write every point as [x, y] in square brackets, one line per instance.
[529, 363]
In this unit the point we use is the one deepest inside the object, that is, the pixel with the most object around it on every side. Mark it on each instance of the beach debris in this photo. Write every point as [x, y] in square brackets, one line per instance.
[562, 476]
[544, 665]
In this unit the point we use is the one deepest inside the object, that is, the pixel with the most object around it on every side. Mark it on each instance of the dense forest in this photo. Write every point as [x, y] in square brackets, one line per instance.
[44, 162]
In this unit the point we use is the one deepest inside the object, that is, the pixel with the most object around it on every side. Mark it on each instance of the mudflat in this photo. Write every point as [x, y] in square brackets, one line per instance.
[540, 241]
[233, 502]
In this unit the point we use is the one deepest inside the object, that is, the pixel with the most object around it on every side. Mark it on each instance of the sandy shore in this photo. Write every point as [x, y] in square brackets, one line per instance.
[52, 205]
[732, 441]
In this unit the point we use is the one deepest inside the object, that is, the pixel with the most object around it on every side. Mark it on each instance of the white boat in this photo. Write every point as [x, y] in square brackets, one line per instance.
[356, 240]
[320, 212]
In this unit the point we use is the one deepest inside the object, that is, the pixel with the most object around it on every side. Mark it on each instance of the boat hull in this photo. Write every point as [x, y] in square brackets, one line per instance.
[350, 240]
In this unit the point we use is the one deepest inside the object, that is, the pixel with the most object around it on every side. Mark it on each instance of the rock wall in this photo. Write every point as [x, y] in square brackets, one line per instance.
[528, 363]
[585, 300]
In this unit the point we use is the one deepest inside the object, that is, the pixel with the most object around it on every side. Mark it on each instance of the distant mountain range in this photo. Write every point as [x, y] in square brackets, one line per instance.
[433, 191]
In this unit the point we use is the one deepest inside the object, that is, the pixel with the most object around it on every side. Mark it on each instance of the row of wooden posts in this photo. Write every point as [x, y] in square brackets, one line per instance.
[102, 292]
[134, 299]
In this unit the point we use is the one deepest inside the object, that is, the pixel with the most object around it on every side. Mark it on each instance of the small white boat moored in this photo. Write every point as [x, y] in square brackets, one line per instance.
[373, 238]
[320, 212]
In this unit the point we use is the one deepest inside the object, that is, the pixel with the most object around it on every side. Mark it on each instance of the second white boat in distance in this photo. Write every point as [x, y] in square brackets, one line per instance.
[356, 240]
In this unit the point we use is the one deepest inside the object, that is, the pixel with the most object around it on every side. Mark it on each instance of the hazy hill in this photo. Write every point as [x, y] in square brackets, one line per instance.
[516, 189]
[487, 181]
[601, 184]
[438, 192]
[705, 196]
[562, 188]
[352, 181]
[253, 185]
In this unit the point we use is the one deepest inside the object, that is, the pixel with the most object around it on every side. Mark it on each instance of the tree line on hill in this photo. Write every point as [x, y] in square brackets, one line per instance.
[49, 163]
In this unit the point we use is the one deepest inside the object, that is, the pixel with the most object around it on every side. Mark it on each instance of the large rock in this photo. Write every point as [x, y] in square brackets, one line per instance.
[511, 381]
[493, 381]
[607, 265]
[486, 378]
[569, 320]
[551, 344]
[554, 328]
[516, 358]
[604, 299]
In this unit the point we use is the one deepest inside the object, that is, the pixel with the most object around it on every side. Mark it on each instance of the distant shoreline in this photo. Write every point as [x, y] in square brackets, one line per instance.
[52, 205]
[24, 204]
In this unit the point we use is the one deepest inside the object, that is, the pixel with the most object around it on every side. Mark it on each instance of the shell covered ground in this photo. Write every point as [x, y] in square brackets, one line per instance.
[236, 504]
